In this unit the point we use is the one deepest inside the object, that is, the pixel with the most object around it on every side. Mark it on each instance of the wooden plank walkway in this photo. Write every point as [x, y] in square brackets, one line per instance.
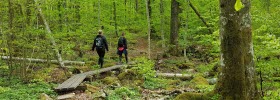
[74, 81]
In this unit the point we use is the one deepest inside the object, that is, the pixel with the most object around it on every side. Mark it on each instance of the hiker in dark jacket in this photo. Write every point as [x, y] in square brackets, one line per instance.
[100, 43]
[122, 48]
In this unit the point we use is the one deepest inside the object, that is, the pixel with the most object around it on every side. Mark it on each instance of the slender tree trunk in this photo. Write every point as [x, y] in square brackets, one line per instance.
[125, 13]
[200, 17]
[162, 23]
[1, 33]
[149, 30]
[115, 17]
[77, 11]
[136, 6]
[186, 30]
[237, 81]
[99, 11]
[174, 27]
[60, 19]
[59, 58]
[28, 12]
[150, 9]
[10, 35]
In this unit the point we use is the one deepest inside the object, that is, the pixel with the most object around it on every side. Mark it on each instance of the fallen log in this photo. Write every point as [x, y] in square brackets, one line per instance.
[66, 96]
[42, 60]
[184, 76]
[172, 75]
[212, 81]
[169, 92]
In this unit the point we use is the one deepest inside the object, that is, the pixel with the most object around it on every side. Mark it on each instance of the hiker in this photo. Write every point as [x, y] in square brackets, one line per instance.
[100, 43]
[122, 48]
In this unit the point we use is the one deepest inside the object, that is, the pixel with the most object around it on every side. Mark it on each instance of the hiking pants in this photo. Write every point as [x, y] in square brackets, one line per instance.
[101, 54]
[125, 54]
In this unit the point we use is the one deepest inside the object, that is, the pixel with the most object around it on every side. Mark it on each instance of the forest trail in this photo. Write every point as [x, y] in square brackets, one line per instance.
[73, 82]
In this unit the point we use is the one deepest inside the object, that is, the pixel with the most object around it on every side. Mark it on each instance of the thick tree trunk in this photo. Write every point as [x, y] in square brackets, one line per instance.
[237, 81]
[58, 55]
[149, 29]
[174, 27]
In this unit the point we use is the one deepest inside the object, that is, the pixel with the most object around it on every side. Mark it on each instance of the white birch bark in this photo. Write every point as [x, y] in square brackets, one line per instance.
[59, 58]
[149, 30]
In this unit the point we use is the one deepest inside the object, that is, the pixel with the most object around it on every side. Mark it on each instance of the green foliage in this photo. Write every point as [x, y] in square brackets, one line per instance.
[205, 88]
[145, 67]
[272, 95]
[269, 68]
[267, 45]
[155, 83]
[4, 89]
[210, 40]
[124, 93]
[215, 97]
[14, 89]
[206, 68]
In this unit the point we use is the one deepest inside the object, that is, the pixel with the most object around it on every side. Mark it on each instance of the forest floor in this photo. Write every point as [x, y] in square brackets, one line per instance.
[131, 83]
[126, 84]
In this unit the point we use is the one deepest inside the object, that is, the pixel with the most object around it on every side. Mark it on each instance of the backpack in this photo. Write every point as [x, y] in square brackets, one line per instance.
[99, 42]
[121, 42]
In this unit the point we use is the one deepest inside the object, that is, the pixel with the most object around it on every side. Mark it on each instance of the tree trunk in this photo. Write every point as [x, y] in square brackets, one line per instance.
[162, 23]
[186, 30]
[136, 6]
[174, 27]
[149, 29]
[10, 35]
[99, 11]
[115, 18]
[237, 81]
[125, 13]
[59, 58]
[28, 12]
[60, 15]
[200, 17]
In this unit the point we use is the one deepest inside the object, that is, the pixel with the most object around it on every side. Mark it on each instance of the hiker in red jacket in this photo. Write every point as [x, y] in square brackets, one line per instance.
[122, 48]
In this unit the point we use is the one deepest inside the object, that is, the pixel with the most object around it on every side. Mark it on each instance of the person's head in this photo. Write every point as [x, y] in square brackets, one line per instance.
[123, 33]
[100, 32]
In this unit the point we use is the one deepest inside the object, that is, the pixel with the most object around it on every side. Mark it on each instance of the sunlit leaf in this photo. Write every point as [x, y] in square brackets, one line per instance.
[238, 5]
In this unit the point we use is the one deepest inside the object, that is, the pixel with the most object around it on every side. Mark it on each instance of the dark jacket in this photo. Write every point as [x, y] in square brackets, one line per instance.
[105, 45]
[124, 43]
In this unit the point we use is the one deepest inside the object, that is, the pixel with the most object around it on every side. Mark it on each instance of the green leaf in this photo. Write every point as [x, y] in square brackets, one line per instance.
[238, 5]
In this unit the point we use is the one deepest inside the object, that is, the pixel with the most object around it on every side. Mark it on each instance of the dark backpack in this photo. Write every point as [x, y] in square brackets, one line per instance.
[99, 42]
[121, 42]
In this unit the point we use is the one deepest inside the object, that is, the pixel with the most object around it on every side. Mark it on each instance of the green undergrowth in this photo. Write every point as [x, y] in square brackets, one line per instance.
[270, 71]
[124, 93]
[154, 83]
[15, 89]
